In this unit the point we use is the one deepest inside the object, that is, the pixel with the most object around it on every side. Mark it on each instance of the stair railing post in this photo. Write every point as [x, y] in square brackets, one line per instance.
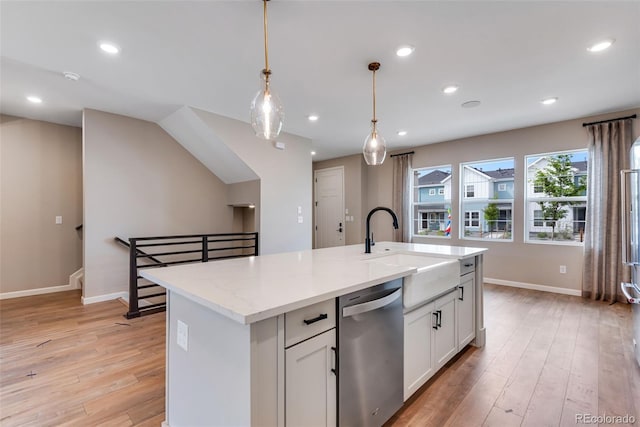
[205, 249]
[133, 280]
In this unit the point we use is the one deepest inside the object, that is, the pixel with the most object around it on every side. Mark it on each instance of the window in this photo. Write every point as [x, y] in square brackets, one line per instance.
[431, 213]
[470, 191]
[556, 197]
[487, 205]
[472, 219]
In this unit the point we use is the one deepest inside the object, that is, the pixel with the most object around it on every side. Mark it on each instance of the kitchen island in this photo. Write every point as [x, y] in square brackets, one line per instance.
[231, 326]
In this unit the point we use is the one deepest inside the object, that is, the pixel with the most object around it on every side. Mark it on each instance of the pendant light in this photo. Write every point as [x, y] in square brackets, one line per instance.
[375, 148]
[267, 113]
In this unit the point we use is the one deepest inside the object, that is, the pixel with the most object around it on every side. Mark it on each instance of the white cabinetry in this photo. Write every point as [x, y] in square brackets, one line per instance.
[310, 380]
[445, 345]
[310, 384]
[429, 341]
[465, 310]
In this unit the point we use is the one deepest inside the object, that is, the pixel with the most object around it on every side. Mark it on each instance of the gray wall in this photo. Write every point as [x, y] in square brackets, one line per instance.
[41, 178]
[138, 181]
[515, 261]
[285, 181]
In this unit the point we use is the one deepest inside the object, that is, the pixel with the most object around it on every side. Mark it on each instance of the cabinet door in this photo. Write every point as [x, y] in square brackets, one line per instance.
[418, 357]
[445, 344]
[310, 384]
[465, 311]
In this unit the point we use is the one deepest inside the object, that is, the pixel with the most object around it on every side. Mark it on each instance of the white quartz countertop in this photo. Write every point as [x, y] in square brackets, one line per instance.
[251, 289]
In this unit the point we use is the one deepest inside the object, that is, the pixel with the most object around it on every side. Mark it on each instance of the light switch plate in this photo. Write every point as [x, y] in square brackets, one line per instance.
[299, 219]
[182, 338]
[59, 219]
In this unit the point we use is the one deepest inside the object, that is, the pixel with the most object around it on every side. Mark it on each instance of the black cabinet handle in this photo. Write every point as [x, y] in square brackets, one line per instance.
[439, 321]
[468, 265]
[461, 297]
[335, 358]
[435, 313]
[315, 319]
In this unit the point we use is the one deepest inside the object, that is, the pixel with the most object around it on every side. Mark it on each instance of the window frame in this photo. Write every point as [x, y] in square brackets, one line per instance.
[529, 214]
[424, 208]
[462, 200]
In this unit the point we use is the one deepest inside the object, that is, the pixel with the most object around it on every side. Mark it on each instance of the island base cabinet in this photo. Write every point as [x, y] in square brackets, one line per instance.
[444, 342]
[418, 361]
[465, 310]
[310, 382]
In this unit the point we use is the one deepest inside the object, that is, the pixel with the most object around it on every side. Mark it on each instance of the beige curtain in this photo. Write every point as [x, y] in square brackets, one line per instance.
[609, 145]
[402, 196]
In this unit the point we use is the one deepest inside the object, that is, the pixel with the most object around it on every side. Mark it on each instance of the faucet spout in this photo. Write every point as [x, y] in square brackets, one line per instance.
[367, 240]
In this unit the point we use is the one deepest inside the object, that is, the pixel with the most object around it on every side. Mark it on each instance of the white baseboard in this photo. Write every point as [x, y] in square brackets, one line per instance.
[534, 286]
[39, 291]
[75, 280]
[107, 297]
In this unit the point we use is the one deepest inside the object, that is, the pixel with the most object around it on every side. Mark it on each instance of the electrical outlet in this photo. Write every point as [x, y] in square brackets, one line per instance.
[563, 269]
[182, 338]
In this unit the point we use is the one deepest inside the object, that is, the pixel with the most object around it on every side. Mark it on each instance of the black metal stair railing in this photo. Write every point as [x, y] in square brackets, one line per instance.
[146, 297]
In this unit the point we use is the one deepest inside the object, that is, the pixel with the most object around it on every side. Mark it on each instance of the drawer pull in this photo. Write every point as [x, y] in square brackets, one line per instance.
[468, 265]
[315, 319]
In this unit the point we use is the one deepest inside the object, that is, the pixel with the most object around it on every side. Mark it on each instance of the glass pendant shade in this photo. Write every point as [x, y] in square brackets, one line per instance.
[267, 113]
[375, 147]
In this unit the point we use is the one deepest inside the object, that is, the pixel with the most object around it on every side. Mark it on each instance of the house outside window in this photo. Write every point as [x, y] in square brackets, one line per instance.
[431, 212]
[487, 206]
[556, 197]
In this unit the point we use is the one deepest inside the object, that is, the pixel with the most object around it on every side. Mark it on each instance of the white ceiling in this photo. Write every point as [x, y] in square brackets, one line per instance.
[208, 54]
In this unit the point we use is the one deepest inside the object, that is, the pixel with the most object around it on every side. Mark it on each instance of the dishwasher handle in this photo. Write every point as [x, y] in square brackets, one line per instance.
[371, 305]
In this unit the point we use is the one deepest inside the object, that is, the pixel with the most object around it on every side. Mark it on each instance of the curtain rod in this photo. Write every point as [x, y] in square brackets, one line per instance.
[610, 120]
[402, 154]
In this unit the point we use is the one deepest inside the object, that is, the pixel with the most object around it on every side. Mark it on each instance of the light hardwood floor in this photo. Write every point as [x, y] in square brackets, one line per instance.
[548, 357]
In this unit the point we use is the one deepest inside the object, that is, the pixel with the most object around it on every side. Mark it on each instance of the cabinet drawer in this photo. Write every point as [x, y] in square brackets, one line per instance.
[467, 265]
[309, 321]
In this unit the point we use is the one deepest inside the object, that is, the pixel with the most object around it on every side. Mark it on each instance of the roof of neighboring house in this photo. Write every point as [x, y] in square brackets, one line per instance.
[434, 177]
[581, 166]
[500, 173]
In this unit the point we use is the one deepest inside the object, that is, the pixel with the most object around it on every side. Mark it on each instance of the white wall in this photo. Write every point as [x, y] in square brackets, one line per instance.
[285, 181]
[138, 181]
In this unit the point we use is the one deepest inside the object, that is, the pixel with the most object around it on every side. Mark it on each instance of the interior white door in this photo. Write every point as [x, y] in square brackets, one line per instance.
[329, 207]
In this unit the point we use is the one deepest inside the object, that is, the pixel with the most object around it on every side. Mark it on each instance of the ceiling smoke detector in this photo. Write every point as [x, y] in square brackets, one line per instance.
[69, 75]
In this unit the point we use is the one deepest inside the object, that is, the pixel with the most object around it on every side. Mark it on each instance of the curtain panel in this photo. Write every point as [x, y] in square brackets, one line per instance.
[609, 145]
[402, 196]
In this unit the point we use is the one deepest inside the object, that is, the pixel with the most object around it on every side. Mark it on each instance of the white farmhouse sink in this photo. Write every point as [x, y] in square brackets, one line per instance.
[434, 276]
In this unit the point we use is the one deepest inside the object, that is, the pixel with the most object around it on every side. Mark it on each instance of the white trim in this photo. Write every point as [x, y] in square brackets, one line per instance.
[75, 280]
[106, 297]
[534, 286]
[38, 291]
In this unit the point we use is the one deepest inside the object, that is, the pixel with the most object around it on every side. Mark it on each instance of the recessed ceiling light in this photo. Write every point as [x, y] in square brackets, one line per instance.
[405, 50]
[109, 48]
[313, 153]
[600, 46]
[313, 118]
[34, 99]
[402, 132]
[450, 89]
[470, 104]
[549, 101]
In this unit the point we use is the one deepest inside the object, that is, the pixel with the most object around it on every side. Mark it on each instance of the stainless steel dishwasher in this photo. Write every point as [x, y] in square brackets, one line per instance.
[370, 355]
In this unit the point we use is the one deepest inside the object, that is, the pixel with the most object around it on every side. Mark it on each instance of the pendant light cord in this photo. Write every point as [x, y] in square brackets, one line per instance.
[266, 43]
[374, 98]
